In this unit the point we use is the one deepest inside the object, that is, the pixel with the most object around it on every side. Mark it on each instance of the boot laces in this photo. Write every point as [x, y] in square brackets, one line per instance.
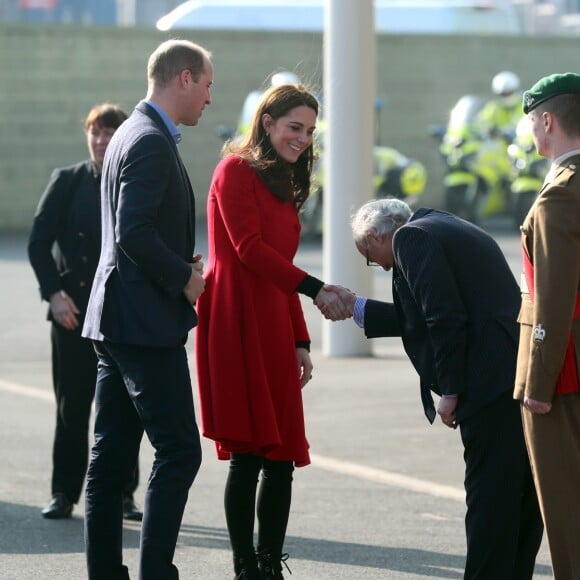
[283, 559]
[270, 567]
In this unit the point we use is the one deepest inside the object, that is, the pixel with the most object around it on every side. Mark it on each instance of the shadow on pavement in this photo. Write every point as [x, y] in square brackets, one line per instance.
[25, 531]
[396, 559]
[419, 562]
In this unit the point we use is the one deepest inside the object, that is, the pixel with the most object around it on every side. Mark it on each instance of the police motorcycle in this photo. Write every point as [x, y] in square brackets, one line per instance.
[478, 169]
[474, 146]
[528, 169]
[394, 174]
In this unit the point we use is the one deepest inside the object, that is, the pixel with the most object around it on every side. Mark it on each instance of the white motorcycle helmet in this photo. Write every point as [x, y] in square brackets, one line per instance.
[505, 83]
[284, 78]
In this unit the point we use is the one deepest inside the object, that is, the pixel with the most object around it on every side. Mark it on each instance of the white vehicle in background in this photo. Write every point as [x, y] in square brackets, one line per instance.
[391, 16]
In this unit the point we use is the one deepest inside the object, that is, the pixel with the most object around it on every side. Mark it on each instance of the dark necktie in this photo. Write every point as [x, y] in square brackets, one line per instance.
[428, 404]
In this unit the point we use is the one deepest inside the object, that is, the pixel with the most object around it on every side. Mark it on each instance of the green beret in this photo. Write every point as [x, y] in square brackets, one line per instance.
[548, 87]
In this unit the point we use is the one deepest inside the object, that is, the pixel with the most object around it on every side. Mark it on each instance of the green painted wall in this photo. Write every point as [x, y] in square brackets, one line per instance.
[51, 76]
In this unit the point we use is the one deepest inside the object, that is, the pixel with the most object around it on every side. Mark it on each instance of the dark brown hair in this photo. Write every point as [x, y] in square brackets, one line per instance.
[288, 182]
[104, 116]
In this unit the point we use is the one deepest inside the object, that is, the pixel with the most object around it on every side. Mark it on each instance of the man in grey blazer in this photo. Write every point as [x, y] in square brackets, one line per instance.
[455, 303]
[139, 314]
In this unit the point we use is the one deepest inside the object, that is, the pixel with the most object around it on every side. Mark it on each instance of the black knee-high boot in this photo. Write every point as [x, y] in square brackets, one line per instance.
[273, 511]
[270, 566]
[240, 506]
[246, 568]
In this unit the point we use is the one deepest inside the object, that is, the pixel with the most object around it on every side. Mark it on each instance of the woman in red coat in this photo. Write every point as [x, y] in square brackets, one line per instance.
[252, 343]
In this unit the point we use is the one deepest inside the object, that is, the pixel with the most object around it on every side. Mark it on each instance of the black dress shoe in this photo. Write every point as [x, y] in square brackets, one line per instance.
[131, 511]
[59, 508]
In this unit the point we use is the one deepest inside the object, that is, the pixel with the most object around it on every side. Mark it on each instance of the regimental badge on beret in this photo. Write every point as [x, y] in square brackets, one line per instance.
[548, 87]
[539, 334]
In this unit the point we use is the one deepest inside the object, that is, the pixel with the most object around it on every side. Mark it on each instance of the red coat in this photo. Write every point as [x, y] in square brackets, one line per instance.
[250, 319]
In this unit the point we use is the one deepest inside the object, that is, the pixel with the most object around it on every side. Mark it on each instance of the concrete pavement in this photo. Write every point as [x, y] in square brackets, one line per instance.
[383, 498]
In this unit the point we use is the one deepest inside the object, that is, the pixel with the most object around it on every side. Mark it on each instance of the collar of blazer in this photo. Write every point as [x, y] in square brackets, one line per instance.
[421, 212]
[150, 112]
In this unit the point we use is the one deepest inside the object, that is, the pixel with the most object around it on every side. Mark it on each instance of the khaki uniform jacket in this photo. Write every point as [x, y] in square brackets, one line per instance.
[551, 238]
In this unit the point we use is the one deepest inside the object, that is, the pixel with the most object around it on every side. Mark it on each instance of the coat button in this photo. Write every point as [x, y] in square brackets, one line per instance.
[82, 284]
[85, 259]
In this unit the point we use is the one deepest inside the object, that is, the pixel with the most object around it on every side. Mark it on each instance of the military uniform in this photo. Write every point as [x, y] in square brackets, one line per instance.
[549, 349]
[551, 239]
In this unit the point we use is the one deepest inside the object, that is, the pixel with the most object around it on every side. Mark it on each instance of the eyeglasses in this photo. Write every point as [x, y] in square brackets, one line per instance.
[368, 258]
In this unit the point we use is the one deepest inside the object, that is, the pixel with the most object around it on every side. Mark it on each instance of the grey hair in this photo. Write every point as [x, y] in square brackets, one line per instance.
[383, 216]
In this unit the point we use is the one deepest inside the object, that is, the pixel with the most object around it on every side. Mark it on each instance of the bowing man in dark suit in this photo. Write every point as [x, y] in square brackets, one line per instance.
[455, 303]
[139, 314]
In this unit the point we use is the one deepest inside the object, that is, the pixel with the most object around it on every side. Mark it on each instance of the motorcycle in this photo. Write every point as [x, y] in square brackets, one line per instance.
[529, 170]
[478, 169]
[394, 174]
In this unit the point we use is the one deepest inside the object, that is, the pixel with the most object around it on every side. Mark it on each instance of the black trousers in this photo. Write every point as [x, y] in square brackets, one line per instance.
[503, 522]
[74, 375]
[138, 389]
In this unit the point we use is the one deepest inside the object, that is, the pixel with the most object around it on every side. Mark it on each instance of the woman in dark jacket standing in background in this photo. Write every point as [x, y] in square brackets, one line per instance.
[64, 248]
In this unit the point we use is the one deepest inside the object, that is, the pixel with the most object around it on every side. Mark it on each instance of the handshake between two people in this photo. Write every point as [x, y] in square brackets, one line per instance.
[335, 302]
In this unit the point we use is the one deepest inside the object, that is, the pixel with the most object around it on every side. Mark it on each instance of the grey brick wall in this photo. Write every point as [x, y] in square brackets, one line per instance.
[51, 76]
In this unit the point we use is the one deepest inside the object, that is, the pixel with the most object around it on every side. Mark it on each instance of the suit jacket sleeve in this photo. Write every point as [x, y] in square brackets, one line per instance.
[48, 222]
[145, 179]
[423, 265]
[380, 319]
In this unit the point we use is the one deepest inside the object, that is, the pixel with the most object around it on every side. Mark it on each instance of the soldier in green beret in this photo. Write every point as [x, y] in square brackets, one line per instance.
[549, 352]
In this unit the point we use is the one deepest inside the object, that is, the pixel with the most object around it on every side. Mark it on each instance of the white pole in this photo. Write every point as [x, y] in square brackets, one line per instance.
[349, 93]
[126, 12]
